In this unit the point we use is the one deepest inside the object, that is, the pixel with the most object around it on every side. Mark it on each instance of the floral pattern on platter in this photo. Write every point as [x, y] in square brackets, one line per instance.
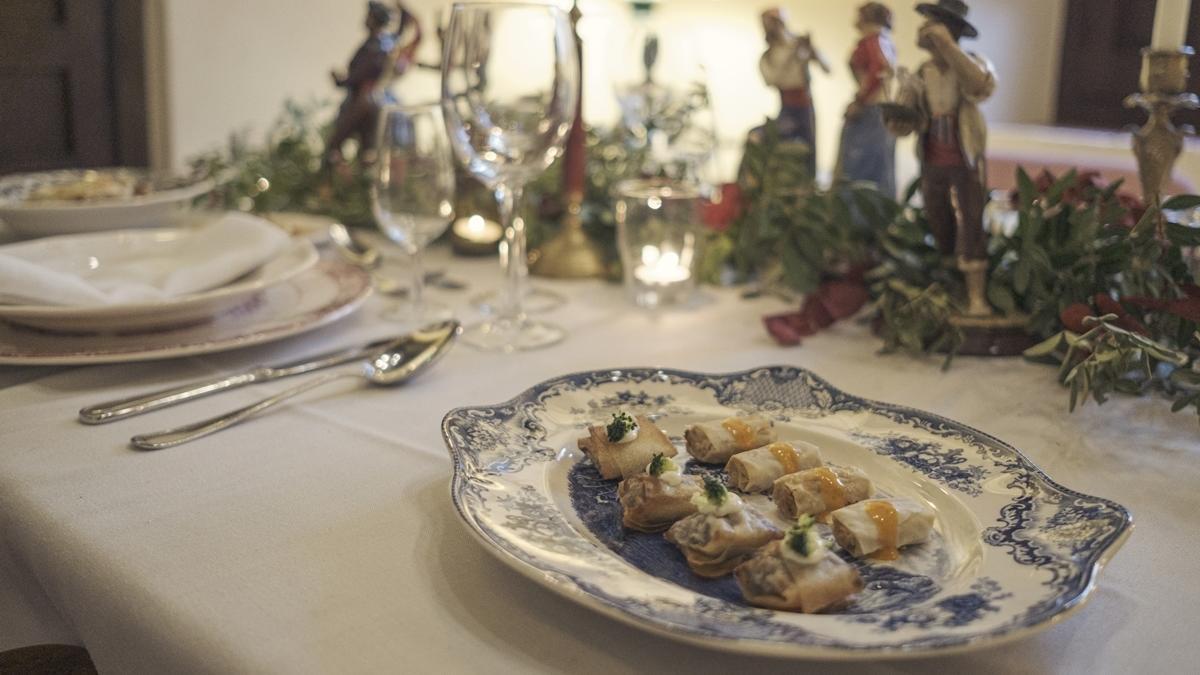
[948, 466]
[1033, 551]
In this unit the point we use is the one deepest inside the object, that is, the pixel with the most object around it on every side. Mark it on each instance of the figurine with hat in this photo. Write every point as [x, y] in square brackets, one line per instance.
[380, 58]
[940, 103]
[785, 66]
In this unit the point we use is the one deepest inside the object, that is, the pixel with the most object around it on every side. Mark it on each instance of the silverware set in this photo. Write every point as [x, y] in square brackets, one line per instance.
[384, 363]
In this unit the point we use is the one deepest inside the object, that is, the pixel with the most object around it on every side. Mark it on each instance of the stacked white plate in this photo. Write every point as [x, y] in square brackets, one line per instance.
[287, 291]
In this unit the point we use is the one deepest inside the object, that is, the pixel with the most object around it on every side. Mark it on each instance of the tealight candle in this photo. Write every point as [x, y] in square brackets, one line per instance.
[661, 268]
[658, 225]
[476, 235]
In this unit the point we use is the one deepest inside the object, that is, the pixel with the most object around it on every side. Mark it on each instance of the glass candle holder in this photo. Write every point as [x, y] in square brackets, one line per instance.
[658, 226]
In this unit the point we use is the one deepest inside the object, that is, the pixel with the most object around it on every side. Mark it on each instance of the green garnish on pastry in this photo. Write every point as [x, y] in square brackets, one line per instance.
[661, 464]
[797, 537]
[620, 425]
[714, 490]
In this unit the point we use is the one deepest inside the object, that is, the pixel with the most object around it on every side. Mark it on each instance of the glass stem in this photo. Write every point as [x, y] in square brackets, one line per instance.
[516, 266]
[417, 292]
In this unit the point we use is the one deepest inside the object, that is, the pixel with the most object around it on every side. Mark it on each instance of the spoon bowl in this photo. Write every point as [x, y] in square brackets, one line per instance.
[396, 365]
[416, 352]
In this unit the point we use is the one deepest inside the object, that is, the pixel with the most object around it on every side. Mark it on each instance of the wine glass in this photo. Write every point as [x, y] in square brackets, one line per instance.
[510, 84]
[412, 195]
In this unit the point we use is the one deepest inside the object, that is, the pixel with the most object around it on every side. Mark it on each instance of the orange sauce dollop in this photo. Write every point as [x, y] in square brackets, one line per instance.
[744, 436]
[786, 455]
[887, 524]
[833, 491]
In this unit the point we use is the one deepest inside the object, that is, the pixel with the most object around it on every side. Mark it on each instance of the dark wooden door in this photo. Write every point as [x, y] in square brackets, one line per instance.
[1102, 61]
[72, 84]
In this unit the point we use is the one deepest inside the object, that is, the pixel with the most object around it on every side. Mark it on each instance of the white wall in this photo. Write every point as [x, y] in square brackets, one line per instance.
[229, 64]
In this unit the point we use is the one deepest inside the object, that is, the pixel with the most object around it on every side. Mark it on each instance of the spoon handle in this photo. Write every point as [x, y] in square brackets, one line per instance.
[178, 436]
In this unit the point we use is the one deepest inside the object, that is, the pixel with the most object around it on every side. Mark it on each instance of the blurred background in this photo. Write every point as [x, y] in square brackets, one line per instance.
[155, 82]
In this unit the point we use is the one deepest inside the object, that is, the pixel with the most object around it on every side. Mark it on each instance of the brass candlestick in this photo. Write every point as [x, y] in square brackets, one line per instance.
[570, 254]
[1158, 144]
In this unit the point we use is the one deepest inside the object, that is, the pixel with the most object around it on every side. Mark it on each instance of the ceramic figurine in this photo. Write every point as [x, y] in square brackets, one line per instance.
[380, 58]
[868, 151]
[940, 103]
[785, 66]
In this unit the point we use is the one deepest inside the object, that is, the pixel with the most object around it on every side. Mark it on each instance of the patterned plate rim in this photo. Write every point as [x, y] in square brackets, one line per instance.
[592, 597]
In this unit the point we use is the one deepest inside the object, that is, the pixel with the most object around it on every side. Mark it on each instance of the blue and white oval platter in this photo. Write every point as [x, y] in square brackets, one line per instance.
[1013, 552]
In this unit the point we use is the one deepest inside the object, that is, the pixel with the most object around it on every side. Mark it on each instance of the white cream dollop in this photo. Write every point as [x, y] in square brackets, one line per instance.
[815, 546]
[672, 478]
[630, 436]
[671, 474]
[730, 506]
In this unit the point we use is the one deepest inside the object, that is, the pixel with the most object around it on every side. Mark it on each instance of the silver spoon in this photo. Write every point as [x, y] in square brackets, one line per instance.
[395, 366]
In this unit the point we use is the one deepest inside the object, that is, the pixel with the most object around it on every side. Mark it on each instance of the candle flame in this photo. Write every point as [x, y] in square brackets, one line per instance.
[475, 224]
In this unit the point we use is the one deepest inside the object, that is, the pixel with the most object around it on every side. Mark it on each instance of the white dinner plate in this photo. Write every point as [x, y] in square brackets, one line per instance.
[162, 207]
[1012, 553]
[327, 292]
[107, 249]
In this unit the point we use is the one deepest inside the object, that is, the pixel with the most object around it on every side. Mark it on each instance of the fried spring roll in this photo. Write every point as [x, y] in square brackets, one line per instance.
[716, 441]
[757, 470]
[881, 527]
[819, 491]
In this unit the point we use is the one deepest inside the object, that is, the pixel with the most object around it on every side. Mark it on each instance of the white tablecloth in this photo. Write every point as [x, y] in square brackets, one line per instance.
[321, 538]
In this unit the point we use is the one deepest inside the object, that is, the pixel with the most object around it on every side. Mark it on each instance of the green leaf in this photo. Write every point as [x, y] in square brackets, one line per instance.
[1022, 274]
[1002, 297]
[1145, 227]
[1026, 191]
[799, 272]
[1181, 203]
[1183, 235]
[1045, 348]
[1055, 193]
[1109, 192]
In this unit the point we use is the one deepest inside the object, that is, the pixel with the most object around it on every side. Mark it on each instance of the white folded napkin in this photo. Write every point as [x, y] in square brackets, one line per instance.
[45, 272]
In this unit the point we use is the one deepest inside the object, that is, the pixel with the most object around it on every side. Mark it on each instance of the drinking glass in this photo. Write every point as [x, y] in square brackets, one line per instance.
[510, 82]
[658, 229]
[412, 195]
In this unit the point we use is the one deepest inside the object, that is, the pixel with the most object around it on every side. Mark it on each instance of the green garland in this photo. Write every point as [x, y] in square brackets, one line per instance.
[284, 173]
[1075, 257]
[789, 233]
[1077, 251]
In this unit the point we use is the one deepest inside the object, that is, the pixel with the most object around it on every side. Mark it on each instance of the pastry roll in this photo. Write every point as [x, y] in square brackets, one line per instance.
[798, 574]
[756, 470]
[624, 447]
[722, 534]
[819, 491]
[881, 527]
[652, 501]
[716, 441]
